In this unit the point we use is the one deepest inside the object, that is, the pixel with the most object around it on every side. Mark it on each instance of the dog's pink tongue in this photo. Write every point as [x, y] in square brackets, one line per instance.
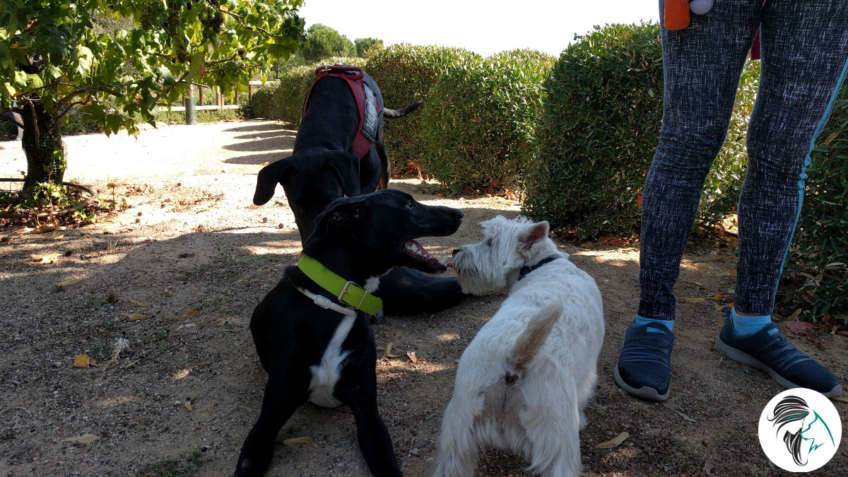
[416, 250]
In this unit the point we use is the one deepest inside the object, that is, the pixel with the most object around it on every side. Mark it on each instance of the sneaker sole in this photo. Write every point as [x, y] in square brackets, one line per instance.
[748, 360]
[645, 392]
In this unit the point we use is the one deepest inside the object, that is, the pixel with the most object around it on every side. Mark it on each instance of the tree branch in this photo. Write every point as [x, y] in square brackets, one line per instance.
[240, 19]
[90, 90]
[71, 105]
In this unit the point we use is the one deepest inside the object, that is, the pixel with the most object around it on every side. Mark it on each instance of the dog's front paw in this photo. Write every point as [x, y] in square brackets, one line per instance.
[252, 465]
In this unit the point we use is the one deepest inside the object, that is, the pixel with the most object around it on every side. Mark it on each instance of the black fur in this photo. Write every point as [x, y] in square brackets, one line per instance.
[357, 238]
[322, 169]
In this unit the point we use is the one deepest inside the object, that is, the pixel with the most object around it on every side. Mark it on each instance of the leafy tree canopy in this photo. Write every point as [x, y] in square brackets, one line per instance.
[117, 60]
[366, 46]
[324, 42]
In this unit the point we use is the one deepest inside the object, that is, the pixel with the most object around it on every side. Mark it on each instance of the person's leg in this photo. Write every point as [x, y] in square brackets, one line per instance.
[701, 67]
[805, 60]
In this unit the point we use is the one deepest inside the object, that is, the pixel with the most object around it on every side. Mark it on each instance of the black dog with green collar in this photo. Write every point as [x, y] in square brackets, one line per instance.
[312, 331]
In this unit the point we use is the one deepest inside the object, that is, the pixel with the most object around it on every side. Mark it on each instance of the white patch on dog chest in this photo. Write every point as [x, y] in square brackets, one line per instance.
[326, 374]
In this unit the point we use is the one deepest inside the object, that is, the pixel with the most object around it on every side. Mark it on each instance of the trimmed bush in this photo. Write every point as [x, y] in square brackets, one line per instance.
[284, 100]
[260, 103]
[818, 270]
[600, 129]
[405, 74]
[480, 121]
[287, 97]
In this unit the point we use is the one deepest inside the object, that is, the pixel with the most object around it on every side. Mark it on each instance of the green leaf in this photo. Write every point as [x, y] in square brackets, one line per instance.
[34, 82]
[20, 78]
[54, 72]
[85, 58]
[165, 74]
[9, 89]
[196, 64]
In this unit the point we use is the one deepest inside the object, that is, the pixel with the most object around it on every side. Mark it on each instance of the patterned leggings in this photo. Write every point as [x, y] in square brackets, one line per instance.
[805, 59]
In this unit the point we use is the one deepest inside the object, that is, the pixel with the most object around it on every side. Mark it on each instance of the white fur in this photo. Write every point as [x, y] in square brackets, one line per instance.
[327, 373]
[372, 284]
[540, 414]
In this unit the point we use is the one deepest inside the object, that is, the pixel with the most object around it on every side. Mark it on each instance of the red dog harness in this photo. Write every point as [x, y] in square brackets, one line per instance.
[367, 131]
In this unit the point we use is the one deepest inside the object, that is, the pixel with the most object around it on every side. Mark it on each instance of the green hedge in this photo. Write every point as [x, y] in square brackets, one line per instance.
[284, 100]
[817, 275]
[600, 129]
[405, 74]
[287, 97]
[724, 182]
[479, 123]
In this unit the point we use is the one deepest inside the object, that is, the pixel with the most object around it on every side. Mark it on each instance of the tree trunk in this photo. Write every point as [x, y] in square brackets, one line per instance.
[42, 143]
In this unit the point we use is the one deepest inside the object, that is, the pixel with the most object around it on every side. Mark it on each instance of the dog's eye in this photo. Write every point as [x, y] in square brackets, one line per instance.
[488, 242]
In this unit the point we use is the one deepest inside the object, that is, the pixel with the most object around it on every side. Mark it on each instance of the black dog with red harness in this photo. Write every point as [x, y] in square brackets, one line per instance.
[339, 152]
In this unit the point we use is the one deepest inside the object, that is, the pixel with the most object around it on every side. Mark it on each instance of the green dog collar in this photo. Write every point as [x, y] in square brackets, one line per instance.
[345, 291]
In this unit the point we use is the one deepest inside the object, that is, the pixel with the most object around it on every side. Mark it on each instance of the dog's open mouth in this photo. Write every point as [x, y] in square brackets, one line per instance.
[421, 259]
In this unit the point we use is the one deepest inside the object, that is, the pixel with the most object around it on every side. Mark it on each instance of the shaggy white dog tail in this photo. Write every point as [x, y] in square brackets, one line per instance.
[531, 341]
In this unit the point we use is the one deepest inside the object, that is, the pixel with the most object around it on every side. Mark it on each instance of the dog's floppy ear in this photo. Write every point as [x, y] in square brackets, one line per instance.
[346, 168]
[270, 176]
[534, 233]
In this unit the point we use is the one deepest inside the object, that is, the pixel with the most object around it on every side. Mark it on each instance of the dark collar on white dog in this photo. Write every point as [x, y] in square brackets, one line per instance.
[527, 269]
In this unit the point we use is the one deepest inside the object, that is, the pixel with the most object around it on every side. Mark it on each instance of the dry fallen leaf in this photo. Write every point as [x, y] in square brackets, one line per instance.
[187, 404]
[188, 314]
[46, 258]
[388, 353]
[614, 442]
[137, 304]
[136, 317]
[82, 361]
[412, 356]
[68, 282]
[694, 300]
[304, 441]
[83, 440]
[182, 374]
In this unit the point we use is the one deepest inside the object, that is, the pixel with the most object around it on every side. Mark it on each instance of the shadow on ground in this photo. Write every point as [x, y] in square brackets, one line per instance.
[181, 398]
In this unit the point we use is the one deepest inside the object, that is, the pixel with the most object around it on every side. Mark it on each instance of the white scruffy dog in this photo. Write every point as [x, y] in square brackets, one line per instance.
[524, 380]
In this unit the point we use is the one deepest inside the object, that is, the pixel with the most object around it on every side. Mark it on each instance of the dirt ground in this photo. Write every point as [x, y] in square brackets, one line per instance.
[178, 273]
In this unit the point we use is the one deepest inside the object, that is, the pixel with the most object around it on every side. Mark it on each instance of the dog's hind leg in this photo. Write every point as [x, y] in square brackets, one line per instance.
[385, 167]
[372, 171]
[553, 430]
[358, 389]
[281, 399]
[458, 450]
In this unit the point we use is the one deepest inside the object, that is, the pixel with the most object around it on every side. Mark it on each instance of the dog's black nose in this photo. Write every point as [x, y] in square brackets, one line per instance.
[455, 251]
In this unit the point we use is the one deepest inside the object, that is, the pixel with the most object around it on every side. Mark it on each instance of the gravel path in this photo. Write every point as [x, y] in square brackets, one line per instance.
[178, 273]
